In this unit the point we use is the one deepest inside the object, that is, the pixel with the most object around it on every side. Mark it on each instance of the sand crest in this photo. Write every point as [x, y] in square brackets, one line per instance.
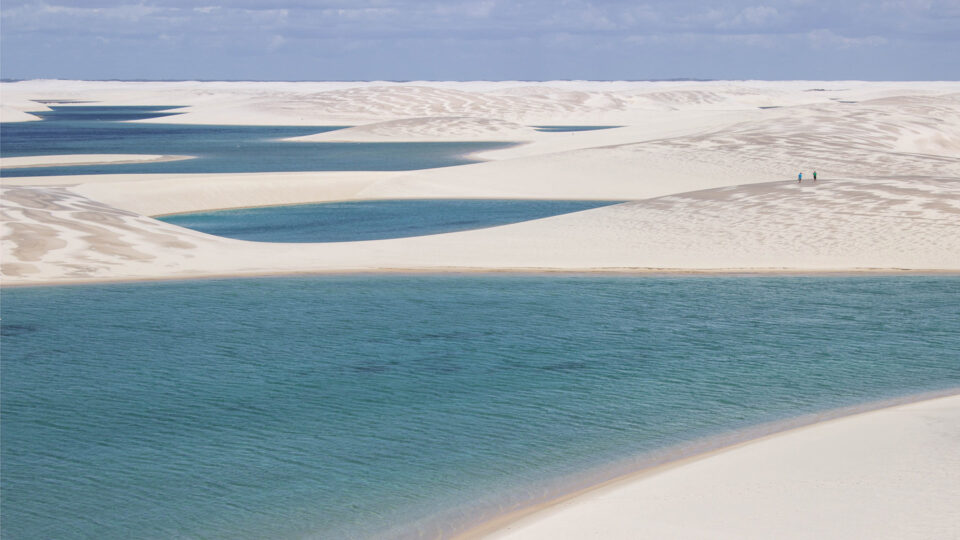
[836, 225]
[13, 114]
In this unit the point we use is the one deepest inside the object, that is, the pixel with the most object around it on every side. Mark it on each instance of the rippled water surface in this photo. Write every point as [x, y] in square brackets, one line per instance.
[331, 407]
[371, 220]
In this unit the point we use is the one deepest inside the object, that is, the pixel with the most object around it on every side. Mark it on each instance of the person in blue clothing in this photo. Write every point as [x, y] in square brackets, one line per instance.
[800, 178]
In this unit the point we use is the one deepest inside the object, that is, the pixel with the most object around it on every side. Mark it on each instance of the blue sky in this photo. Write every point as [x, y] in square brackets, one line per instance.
[480, 39]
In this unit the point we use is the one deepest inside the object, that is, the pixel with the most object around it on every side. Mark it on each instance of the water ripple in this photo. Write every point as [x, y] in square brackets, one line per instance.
[392, 405]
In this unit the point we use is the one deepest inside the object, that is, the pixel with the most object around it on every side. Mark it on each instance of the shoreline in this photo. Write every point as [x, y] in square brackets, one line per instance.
[631, 472]
[479, 271]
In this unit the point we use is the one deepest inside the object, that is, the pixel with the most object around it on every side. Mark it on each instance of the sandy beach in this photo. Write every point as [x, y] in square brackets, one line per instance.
[889, 473]
[709, 170]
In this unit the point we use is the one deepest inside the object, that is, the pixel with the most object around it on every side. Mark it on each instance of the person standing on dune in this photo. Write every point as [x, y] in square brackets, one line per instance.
[814, 176]
[800, 178]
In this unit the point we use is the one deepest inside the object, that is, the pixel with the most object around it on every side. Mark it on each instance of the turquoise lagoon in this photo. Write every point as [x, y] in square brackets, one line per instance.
[395, 405]
[371, 220]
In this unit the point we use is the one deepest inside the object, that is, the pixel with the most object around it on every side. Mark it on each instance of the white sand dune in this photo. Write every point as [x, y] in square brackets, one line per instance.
[886, 474]
[198, 192]
[710, 176]
[13, 114]
[352, 103]
[834, 225]
[838, 140]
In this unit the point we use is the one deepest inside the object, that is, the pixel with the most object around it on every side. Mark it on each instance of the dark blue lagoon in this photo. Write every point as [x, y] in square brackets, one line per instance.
[371, 220]
[104, 113]
[219, 149]
[355, 406]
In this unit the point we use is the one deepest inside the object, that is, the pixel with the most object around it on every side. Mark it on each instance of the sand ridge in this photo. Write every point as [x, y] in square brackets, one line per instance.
[775, 226]
[528, 103]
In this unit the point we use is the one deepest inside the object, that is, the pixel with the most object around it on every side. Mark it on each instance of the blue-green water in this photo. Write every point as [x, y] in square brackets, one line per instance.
[351, 406]
[371, 220]
[219, 149]
[562, 129]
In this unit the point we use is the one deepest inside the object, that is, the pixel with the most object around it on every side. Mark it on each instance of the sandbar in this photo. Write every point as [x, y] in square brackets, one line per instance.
[69, 160]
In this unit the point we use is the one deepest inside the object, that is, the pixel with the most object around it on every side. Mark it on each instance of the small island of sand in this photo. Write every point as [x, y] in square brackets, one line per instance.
[69, 160]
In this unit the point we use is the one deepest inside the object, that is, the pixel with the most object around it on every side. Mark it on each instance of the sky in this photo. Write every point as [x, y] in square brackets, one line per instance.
[480, 39]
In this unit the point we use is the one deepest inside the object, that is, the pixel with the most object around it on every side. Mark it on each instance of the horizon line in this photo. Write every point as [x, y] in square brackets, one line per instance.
[672, 79]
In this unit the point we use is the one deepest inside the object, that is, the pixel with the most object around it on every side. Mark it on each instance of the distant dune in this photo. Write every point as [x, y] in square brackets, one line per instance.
[710, 169]
[429, 129]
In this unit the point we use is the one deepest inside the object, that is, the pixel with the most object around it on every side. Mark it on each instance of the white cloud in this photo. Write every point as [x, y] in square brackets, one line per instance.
[757, 15]
[217, 29]
[766, 41]
[276, 43]
[473, 9]
[824, 38]
[126, 12]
